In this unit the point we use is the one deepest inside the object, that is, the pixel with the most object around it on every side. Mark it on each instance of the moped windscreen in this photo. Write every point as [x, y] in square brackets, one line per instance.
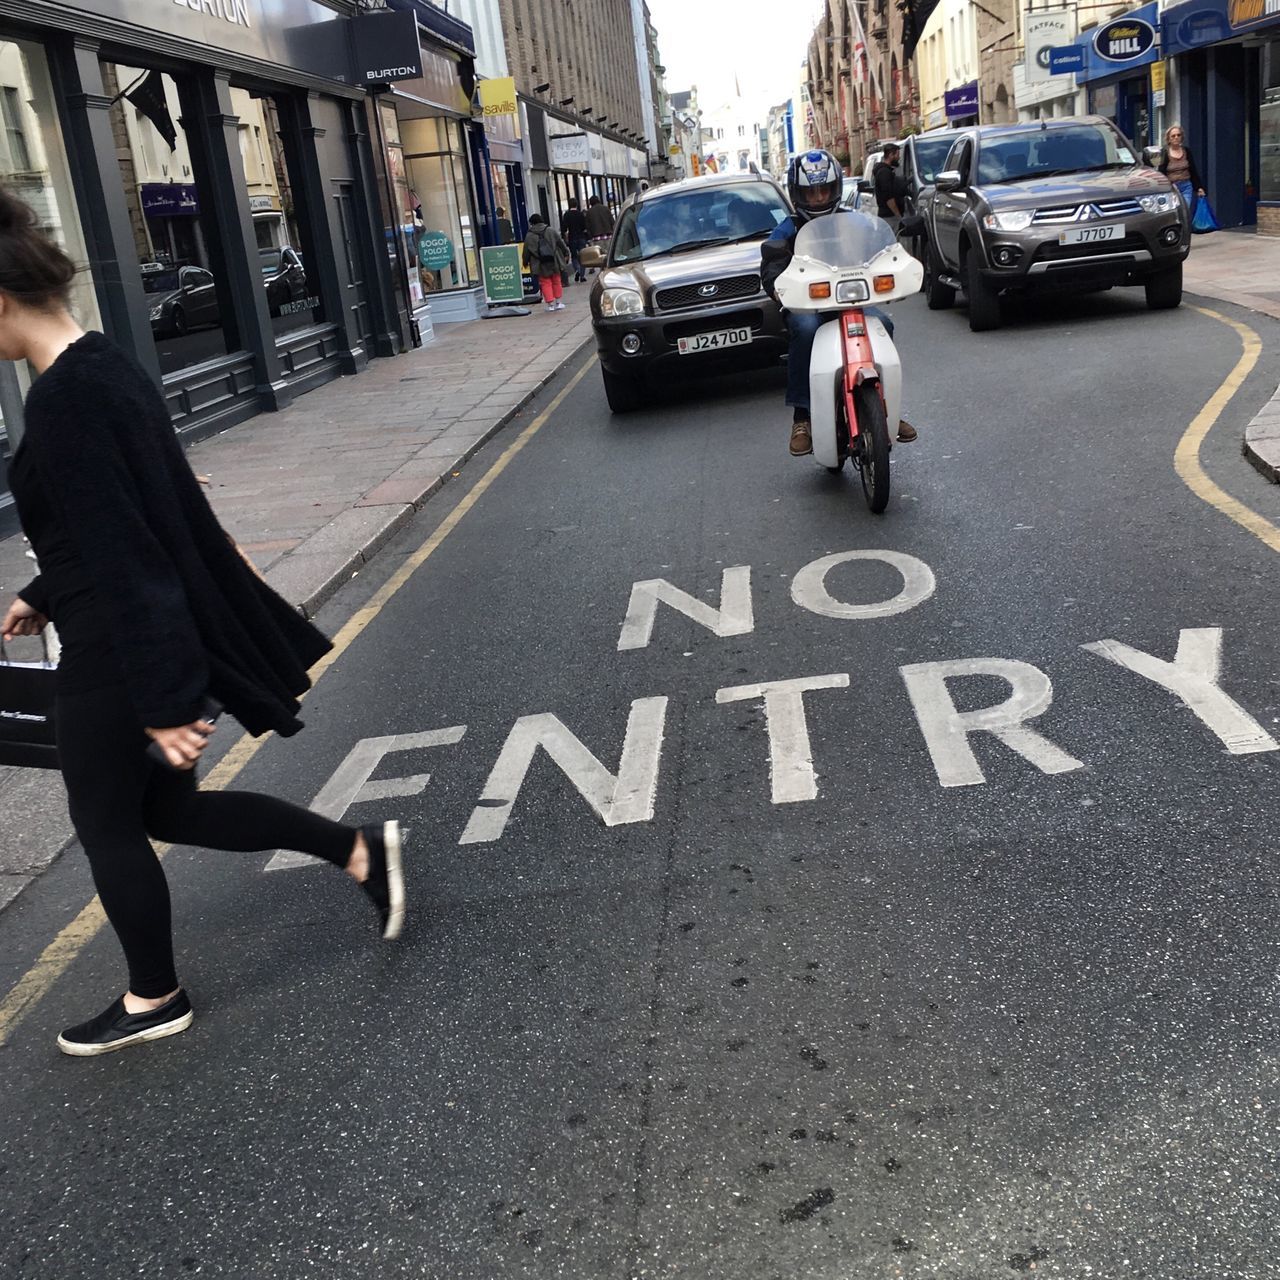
[844, 239]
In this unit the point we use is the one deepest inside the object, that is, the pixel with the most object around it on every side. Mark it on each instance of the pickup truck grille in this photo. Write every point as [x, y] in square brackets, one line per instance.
[1102, 249]
[727, 289]
[1126, 207]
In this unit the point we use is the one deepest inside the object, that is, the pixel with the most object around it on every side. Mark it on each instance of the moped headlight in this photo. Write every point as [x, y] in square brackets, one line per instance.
[852, 291]
[1161, 203]
[621, 302]
[1013, 220]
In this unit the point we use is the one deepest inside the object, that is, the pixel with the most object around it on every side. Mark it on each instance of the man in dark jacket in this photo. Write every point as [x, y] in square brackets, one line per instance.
[599, 219]
[815, 183]
[887, 185]
[573, 227]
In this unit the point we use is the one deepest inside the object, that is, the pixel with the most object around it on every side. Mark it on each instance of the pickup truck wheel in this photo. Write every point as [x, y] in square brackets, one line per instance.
[1164, 291]
[937, 296]
[623, 394]
[984, 302]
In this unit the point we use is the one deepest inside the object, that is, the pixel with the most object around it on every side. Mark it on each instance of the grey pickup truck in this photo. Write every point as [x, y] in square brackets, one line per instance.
[1059, 204]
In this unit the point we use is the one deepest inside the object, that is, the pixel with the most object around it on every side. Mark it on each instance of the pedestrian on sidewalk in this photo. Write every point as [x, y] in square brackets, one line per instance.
[159, 613]
[573, 227]
[1179, 166]
[599, 219]
[546, 255]
[506, 232]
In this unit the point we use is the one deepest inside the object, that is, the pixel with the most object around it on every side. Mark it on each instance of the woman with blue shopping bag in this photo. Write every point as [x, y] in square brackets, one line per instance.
[1179, 166]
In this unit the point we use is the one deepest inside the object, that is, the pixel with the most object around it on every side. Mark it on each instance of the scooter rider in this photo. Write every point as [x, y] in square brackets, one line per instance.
[815, 182]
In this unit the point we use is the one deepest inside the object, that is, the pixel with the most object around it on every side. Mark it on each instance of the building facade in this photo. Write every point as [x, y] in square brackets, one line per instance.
[860, 89]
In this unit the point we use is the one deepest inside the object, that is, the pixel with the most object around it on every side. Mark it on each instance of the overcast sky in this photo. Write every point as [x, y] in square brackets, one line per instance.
[704, 42]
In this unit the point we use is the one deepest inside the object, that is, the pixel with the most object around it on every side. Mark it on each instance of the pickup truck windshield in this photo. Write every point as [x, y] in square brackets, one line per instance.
[1014, 157]
[694, 219]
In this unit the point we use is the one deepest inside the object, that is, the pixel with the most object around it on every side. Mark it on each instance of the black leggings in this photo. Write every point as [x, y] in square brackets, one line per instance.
[118, 797]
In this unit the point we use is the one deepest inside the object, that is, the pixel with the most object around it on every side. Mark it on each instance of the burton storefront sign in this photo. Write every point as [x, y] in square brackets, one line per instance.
[503, 275]
[1124, 40]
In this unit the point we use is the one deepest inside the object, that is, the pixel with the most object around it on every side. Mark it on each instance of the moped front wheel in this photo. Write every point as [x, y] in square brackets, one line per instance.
[873, 445]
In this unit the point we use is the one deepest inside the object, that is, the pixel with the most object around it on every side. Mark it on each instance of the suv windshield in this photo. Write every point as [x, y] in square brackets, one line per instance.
[930, 153]
[1011, 157]
[696, 219]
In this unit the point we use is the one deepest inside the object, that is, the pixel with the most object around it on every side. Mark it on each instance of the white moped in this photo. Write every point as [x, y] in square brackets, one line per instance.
[843, 261]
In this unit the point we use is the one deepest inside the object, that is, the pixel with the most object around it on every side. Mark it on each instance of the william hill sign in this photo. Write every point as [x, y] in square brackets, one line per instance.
[1124, 40]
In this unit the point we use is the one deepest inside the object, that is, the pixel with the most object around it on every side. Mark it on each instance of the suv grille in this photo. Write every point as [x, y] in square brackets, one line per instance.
[753, 319]
[690, 295]
[1125, 207]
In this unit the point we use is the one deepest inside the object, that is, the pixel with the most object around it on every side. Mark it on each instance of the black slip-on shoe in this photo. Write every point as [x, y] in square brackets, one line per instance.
[385, 885]
[116, 1028]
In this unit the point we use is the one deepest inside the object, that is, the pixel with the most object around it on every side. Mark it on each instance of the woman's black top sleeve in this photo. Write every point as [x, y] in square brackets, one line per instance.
[186, 616]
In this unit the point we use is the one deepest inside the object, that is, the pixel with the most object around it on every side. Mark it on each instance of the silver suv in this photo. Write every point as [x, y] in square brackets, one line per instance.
[1061, 204]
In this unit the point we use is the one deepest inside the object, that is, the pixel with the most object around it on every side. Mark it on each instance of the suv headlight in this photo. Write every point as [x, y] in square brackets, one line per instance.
[157, 311]
[1014, 220]
[1165, 202]
[621, 302]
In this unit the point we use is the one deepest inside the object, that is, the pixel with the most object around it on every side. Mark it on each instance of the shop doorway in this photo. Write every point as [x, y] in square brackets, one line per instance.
[356, 288]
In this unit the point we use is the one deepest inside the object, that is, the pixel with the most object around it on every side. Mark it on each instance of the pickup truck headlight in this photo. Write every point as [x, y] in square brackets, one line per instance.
[1165, 202]
[1014, 220]
[621, 302]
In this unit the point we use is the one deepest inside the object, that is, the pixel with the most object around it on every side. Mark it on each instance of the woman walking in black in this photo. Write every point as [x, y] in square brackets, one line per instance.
[158, 614]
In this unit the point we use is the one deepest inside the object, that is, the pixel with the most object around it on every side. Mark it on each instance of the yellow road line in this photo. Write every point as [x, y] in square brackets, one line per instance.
[57, 957]
[1186, 458]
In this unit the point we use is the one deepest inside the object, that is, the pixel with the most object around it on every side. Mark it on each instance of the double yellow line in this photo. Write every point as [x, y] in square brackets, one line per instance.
[54, 960]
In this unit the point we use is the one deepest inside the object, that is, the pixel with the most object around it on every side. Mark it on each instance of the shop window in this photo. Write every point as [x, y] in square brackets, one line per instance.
[173, 232]
[440, 202]
[33, 165]
[1269, 125]
[281, 233]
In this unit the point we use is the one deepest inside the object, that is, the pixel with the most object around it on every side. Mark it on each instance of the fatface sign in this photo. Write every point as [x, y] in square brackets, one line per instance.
[1045, 30]
[1124, 40]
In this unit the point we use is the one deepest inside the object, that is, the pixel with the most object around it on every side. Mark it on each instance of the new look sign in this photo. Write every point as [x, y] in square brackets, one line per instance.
[1124, 40]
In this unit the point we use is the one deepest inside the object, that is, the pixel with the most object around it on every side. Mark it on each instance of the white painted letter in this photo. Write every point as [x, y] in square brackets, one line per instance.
[628, 797]
[790, 755]
[1193, 677]
[350, 781]
[946, 730]
[732, 618]
[809, 586]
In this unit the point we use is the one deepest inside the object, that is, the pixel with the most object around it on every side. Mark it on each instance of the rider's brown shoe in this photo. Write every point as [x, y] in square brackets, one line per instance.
[906, 432]
[801, 438]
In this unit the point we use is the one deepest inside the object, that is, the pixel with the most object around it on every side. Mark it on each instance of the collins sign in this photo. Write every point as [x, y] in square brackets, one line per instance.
[1124, 40]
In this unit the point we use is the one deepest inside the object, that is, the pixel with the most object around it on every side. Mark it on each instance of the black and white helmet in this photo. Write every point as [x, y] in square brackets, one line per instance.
[815, 182]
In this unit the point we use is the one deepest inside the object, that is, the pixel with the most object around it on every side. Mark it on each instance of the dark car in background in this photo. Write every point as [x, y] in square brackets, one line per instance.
[284, 277]
[181, 298]
[680, 290]
[1062, 204]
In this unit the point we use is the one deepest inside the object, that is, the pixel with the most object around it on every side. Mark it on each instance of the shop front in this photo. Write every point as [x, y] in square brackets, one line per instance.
[208, 170]
[1225, 86]
[1118, 58]
[961, 105]
[433, 231]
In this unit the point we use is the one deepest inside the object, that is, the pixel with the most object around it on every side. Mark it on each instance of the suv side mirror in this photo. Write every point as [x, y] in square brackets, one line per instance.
[949, 180]
[1152, 156]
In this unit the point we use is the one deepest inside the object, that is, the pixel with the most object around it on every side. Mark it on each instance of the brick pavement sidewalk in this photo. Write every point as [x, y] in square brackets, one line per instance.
[1244, 268]
[314, 492]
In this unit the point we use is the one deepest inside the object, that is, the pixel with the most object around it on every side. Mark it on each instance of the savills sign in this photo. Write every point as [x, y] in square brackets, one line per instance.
[233, 11]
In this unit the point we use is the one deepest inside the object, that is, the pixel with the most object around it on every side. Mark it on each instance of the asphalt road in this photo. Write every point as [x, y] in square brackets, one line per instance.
[1026, 1024]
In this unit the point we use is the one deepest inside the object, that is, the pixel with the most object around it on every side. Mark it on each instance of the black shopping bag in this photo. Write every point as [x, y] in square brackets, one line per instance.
[26, 712]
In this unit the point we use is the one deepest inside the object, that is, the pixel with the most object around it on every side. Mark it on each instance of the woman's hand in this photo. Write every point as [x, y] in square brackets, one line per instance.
[1200, 192]
[22, 620]
[183, 746]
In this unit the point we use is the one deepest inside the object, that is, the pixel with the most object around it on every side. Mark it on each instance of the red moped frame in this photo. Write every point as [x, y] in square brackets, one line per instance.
[859, 366]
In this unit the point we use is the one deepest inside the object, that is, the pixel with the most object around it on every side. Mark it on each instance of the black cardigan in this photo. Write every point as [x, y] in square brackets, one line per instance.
[189, 617]
[1196, 184]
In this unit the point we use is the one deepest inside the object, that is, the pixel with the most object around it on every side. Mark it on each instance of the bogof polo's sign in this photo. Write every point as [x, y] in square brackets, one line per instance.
[1124, 40]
